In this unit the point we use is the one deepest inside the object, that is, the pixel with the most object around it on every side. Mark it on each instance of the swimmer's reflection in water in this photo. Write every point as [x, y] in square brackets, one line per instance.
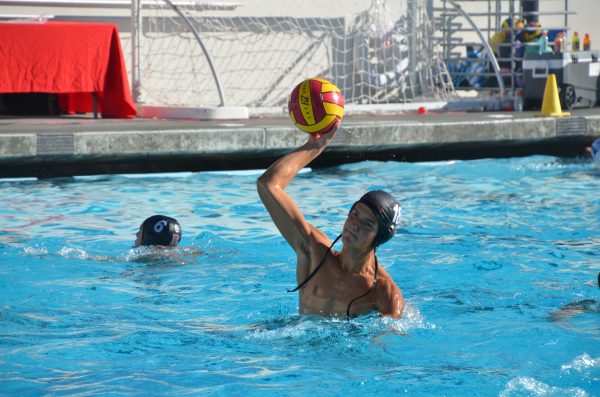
[585, 306]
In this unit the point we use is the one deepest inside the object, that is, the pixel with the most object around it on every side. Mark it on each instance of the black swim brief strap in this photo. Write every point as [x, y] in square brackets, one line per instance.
[317, 268]
[375, 278]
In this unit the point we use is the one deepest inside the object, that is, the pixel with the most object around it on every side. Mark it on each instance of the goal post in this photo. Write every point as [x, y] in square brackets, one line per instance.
[201, 55]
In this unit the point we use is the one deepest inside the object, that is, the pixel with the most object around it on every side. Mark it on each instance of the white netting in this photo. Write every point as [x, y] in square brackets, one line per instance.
[376, 51]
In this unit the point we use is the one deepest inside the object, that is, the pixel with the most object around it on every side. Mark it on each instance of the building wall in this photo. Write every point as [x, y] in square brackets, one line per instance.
[585, 19]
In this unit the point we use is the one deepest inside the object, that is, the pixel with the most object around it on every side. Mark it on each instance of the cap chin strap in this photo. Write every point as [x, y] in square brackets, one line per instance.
[302, 284]
[375, 278]
[175, 240]
[311, 275]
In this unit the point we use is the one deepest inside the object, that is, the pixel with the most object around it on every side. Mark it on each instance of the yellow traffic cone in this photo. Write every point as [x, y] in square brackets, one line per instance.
[551, 103]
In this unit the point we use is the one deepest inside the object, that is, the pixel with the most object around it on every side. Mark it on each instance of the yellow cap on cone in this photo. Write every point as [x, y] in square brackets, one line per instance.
[551, 103]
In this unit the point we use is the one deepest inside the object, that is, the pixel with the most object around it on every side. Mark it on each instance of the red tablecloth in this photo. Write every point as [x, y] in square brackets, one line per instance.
[72, 59]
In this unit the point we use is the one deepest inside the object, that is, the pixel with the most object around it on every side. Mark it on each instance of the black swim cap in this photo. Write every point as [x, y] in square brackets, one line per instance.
[386, 210]
[161, 230]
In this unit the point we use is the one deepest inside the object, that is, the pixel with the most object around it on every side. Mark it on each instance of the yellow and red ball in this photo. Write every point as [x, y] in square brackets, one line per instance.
[315, 105]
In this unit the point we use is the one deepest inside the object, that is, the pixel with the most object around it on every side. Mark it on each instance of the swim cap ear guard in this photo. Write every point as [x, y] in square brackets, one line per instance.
[387, 211]
[161, 230]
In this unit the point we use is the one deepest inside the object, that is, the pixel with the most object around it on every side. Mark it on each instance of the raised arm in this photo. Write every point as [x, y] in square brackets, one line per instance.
[271, 189]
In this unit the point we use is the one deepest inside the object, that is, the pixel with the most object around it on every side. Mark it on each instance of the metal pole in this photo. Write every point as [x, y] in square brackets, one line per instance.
[489, 20]
[431, 30]
[484, 42]
[199, 40]
[430, 9]
[134, 47]
[412, 35]
[566, 14]
[513, 42]
[530, 9]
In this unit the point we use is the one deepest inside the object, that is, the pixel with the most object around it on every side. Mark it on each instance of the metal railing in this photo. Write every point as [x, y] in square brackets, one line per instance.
[455, 23]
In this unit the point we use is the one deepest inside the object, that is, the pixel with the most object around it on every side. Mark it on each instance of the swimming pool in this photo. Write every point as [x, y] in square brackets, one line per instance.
[497, 260]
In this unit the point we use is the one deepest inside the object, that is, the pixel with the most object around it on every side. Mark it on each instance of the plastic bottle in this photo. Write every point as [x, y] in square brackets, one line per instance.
[507, 103]
[587, 42]
[518, 101]
[543, 42]
[493, 104]
[575, 42]
[489, 103]
[557, 43]
[564, 45]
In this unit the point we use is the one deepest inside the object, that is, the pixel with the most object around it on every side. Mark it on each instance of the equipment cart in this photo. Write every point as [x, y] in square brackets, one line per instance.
[577, 78]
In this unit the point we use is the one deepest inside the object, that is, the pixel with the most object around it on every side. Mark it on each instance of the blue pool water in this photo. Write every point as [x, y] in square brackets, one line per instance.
[497, 259]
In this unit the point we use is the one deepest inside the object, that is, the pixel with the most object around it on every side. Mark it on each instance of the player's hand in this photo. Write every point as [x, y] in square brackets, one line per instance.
[324, 139]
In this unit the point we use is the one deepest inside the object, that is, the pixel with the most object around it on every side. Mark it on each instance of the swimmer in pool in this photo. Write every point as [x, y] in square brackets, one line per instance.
[159, 230]
[349, 282]
[161, 235]
[594, 150]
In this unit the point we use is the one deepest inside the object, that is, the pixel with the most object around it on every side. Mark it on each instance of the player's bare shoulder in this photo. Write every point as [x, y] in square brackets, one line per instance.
[317, 237]
[390, 301]
[317, 244]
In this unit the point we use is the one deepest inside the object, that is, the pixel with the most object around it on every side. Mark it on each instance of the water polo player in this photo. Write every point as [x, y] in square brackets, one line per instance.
[159, 230]
[349, 282]
[594, 150]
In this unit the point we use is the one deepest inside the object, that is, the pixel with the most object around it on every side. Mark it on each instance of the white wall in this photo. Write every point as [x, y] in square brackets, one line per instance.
[586, 20]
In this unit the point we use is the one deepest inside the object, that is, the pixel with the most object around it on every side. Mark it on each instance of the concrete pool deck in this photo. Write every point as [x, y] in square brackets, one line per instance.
[82, 145]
